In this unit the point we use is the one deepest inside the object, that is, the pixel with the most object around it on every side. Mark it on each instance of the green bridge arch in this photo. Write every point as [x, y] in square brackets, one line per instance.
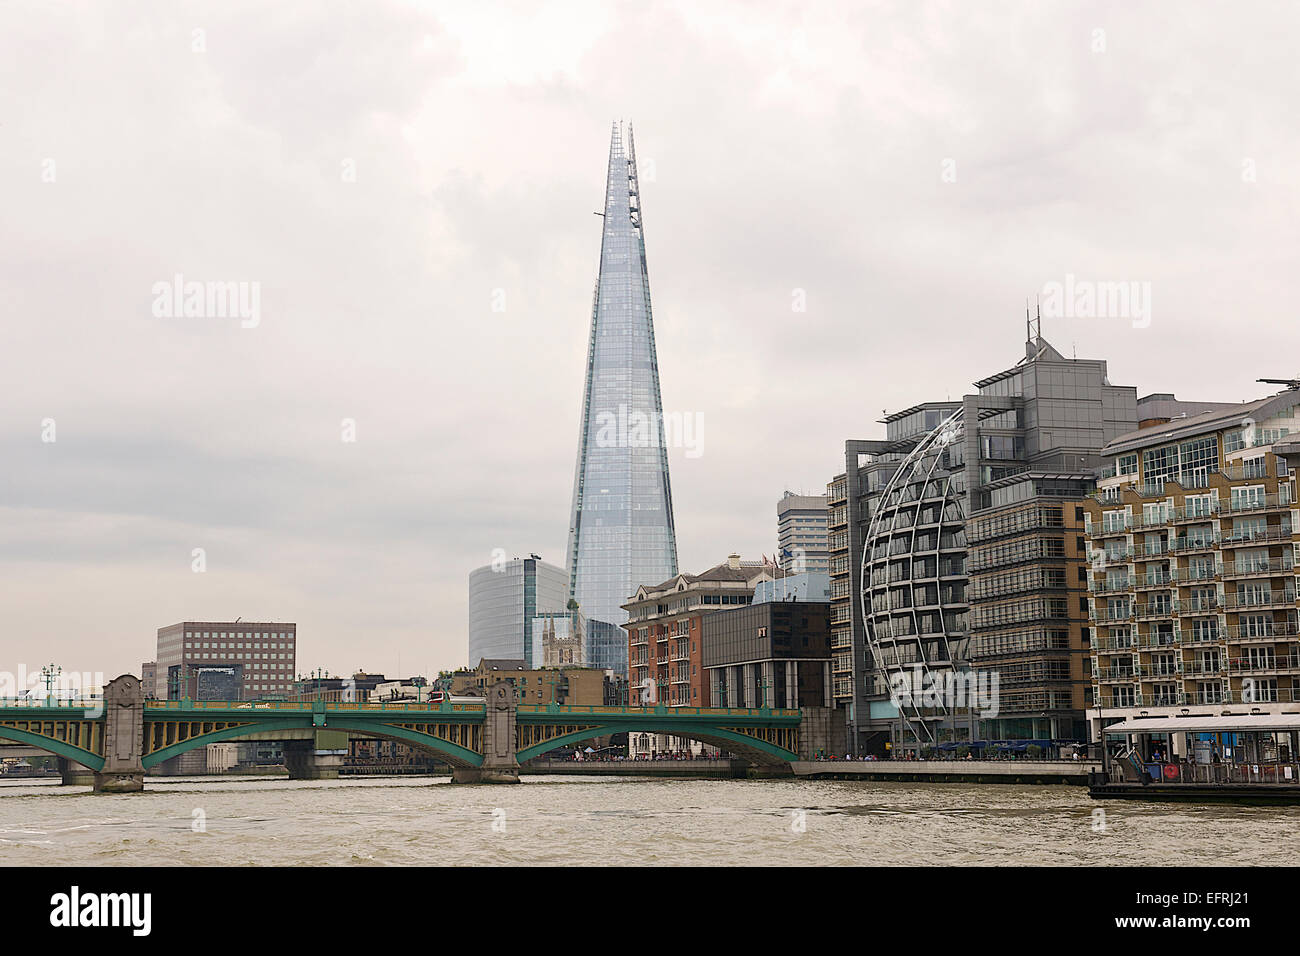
[452, 753]
[59, 748]
[752, 748]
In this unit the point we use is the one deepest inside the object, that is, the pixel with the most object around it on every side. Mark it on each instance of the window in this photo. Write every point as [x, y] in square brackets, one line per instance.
[1252, 496]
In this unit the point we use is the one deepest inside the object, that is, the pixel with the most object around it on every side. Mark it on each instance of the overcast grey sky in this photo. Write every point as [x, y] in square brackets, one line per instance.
[387, 172]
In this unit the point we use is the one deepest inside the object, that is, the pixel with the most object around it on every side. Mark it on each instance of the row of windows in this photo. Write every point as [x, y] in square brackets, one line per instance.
[235, 635]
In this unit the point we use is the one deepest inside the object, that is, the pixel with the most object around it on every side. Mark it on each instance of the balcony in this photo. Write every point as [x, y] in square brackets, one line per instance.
[1163, 609]
[1113, 645]
[1196, 575]
[1172, 671]
[1171, 639]
[1114, 674]
[1271, 631]
[1108, 530]
[1246, 504]
[1202, 512]
[1275, 533]
[1160, 579]
[1142, 523]
[1110, 614]
[1254, 471]
[1264, 664]
[1233, 602]
[1110, 587]
[1269, 568]
[1206, 542]
[1175, 699]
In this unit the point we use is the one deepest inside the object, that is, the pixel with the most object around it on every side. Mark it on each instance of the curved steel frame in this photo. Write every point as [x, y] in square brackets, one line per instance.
[949, 430]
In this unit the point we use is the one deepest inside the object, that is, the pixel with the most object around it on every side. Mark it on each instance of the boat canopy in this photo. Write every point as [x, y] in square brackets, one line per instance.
[1242, 723]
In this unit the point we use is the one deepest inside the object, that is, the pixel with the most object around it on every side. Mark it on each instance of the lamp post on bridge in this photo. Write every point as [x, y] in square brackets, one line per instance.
[50, 673]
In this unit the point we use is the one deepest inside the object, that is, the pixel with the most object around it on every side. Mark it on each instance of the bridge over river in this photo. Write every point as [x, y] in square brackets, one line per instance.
[119, 738]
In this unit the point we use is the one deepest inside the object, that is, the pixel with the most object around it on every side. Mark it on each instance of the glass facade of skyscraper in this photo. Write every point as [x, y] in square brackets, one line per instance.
[503, 600]
[621, 531]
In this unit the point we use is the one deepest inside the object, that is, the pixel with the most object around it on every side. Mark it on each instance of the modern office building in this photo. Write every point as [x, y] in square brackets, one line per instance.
[1028, 597]
[768, 655]
[1193, 534]
[801, 533]
[621, 530]
[208, 659]
[504, 597]
[1047, 414]
[665, 646]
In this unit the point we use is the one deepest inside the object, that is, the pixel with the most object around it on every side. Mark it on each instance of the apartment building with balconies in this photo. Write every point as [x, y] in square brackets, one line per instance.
[665, 639]
[1193, 535]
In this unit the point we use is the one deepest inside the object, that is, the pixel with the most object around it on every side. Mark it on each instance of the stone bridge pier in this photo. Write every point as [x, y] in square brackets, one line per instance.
[318, 758]
[820, 732]
[500, 765]
[73, 774]
[123, 737]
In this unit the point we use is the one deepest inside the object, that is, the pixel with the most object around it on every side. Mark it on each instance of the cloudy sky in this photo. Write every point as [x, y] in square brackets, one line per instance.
[411, 189]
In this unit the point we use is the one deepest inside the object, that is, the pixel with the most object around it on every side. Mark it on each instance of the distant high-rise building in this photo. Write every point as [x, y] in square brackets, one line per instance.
[801, 533]
[148, 679]
[504, 597]
[621, 531]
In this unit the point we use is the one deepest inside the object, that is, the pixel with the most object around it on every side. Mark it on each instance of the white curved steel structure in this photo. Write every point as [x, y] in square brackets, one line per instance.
[914, 485]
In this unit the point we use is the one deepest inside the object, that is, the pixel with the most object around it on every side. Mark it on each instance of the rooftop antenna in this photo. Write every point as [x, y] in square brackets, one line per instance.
[1292, 383]
[1033, 326]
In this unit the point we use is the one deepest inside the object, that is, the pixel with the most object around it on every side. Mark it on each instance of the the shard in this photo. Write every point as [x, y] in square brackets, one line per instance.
[621, 530]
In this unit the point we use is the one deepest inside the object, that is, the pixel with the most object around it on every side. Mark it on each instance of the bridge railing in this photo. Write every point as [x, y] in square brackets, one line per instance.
[652, 710]
[299, 706]
[81, 703]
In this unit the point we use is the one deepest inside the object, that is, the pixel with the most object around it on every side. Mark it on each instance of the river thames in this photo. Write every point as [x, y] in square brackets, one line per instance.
[554, 821]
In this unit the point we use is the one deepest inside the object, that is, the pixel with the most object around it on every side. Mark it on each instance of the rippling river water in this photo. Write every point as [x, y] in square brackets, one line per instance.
[621, 820]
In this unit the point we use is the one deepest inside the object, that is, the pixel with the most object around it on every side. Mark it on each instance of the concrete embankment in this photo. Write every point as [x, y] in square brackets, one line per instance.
[949, 771]
[716, 769]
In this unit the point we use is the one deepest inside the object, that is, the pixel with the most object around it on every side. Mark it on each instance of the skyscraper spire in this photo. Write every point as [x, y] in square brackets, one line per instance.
[621, 531]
